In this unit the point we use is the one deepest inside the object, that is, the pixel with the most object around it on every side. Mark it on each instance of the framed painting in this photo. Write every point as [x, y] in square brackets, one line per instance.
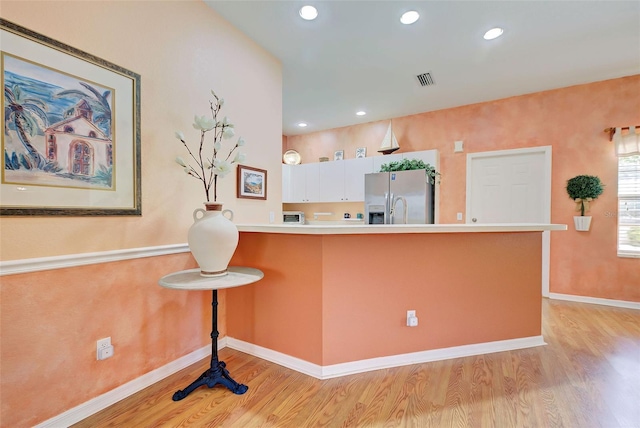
[252, 183]
[361, 152]
[71, 140]
[338, 155]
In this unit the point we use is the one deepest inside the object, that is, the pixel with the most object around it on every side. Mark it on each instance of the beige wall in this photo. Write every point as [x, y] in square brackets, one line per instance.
[51, 320]
[571, 120]
[182, 50]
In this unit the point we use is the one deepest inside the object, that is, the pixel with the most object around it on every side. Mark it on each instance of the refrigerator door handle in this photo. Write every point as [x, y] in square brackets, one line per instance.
[405, 209]
[386, 208]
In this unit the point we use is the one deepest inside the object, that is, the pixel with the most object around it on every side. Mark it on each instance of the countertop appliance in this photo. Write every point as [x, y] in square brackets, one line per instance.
[293, 217]
[400, 197]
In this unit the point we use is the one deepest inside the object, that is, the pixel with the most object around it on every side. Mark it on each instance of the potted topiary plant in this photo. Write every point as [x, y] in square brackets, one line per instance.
[583, 189]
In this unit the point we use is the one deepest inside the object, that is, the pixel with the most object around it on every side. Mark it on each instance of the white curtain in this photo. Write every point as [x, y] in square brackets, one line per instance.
[628, 144]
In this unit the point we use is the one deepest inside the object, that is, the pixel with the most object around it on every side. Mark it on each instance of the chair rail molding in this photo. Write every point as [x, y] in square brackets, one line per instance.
[13, 267]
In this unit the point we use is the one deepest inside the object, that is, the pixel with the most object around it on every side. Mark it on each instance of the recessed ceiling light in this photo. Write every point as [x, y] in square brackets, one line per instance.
[308, 12]
[409, 17]
[302, 125]
[493, 33]
[361, 113]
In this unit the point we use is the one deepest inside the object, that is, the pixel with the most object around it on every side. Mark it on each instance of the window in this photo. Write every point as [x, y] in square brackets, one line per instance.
[629, 206]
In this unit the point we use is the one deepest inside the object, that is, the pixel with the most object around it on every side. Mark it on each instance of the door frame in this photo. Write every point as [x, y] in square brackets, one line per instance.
[546, 198]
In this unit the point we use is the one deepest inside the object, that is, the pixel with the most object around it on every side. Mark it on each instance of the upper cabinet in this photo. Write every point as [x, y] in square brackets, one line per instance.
[300, 183]
[343, 181]
[339, 181]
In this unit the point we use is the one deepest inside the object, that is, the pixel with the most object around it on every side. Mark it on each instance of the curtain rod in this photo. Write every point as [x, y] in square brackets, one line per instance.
[612, 131]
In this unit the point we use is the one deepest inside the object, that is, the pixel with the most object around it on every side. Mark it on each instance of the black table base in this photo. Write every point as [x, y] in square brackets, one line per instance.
[217, 372]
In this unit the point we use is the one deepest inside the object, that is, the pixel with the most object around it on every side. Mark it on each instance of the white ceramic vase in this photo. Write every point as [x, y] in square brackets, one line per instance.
[582, 222]
[212, 239]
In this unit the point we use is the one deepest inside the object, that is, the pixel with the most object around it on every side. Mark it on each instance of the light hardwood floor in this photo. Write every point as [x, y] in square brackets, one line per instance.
[587, 376]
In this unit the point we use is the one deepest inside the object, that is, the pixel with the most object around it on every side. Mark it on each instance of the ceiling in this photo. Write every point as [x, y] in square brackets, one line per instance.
[357, 55]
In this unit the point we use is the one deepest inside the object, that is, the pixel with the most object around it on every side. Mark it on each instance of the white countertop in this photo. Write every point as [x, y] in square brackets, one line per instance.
[365, 229]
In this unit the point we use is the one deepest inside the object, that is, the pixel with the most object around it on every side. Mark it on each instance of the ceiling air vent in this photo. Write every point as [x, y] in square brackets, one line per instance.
[426, 79]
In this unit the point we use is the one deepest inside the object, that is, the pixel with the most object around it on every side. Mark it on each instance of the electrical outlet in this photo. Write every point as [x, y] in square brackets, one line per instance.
[104, 349]
[412, 319]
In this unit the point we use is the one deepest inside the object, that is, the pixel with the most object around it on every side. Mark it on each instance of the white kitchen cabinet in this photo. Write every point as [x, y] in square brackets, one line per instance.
[287, 191]
[354, 172]
[342, 181]
[427, 156]
[379, 160]
[300, 183]
[331, 181]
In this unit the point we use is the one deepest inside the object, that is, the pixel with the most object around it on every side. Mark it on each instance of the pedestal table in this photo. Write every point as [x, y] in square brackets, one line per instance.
[192, 280]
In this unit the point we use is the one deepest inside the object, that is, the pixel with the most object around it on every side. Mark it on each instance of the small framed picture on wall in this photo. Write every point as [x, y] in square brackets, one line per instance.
[361, 152]
[338, 155]
[252, 183]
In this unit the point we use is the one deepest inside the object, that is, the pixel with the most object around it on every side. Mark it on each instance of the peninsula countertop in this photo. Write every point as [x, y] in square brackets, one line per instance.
[367, 229]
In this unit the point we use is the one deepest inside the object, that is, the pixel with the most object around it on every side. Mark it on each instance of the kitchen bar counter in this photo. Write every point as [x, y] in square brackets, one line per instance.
[334, 298]
[362, 229]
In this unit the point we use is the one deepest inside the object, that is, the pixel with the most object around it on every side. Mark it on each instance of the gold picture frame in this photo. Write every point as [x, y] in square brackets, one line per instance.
[71, 145]
[251, 183]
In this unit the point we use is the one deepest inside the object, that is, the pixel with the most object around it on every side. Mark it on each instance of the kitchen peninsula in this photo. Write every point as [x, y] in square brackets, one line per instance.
[334, 298]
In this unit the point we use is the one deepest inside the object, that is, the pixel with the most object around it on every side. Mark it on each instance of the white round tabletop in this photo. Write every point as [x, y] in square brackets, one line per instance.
[192, 280]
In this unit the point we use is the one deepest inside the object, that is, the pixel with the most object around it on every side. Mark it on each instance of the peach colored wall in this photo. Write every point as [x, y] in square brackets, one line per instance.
[282, 311]
[51, 320]
[182, 50]
[335, 299]
[370, 281]
[571, 120]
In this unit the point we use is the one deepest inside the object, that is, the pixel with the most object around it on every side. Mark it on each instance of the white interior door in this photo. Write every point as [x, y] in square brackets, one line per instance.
[511, 186]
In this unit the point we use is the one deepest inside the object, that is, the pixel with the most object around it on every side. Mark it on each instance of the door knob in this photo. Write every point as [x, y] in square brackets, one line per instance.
[474, 219]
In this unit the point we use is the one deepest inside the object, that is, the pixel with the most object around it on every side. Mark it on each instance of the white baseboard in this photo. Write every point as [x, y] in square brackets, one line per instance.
[13, 267]
[344, 369]
[279, 358]
[88, 408]
[595, 300]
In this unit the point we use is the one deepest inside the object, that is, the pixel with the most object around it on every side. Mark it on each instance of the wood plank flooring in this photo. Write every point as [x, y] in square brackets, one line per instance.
[587, 376]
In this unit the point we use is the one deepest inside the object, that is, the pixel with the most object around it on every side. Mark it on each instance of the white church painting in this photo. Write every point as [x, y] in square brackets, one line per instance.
[58, 128]
[77, 144]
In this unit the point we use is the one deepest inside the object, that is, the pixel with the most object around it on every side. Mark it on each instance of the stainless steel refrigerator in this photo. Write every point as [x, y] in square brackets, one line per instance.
[401, 197]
